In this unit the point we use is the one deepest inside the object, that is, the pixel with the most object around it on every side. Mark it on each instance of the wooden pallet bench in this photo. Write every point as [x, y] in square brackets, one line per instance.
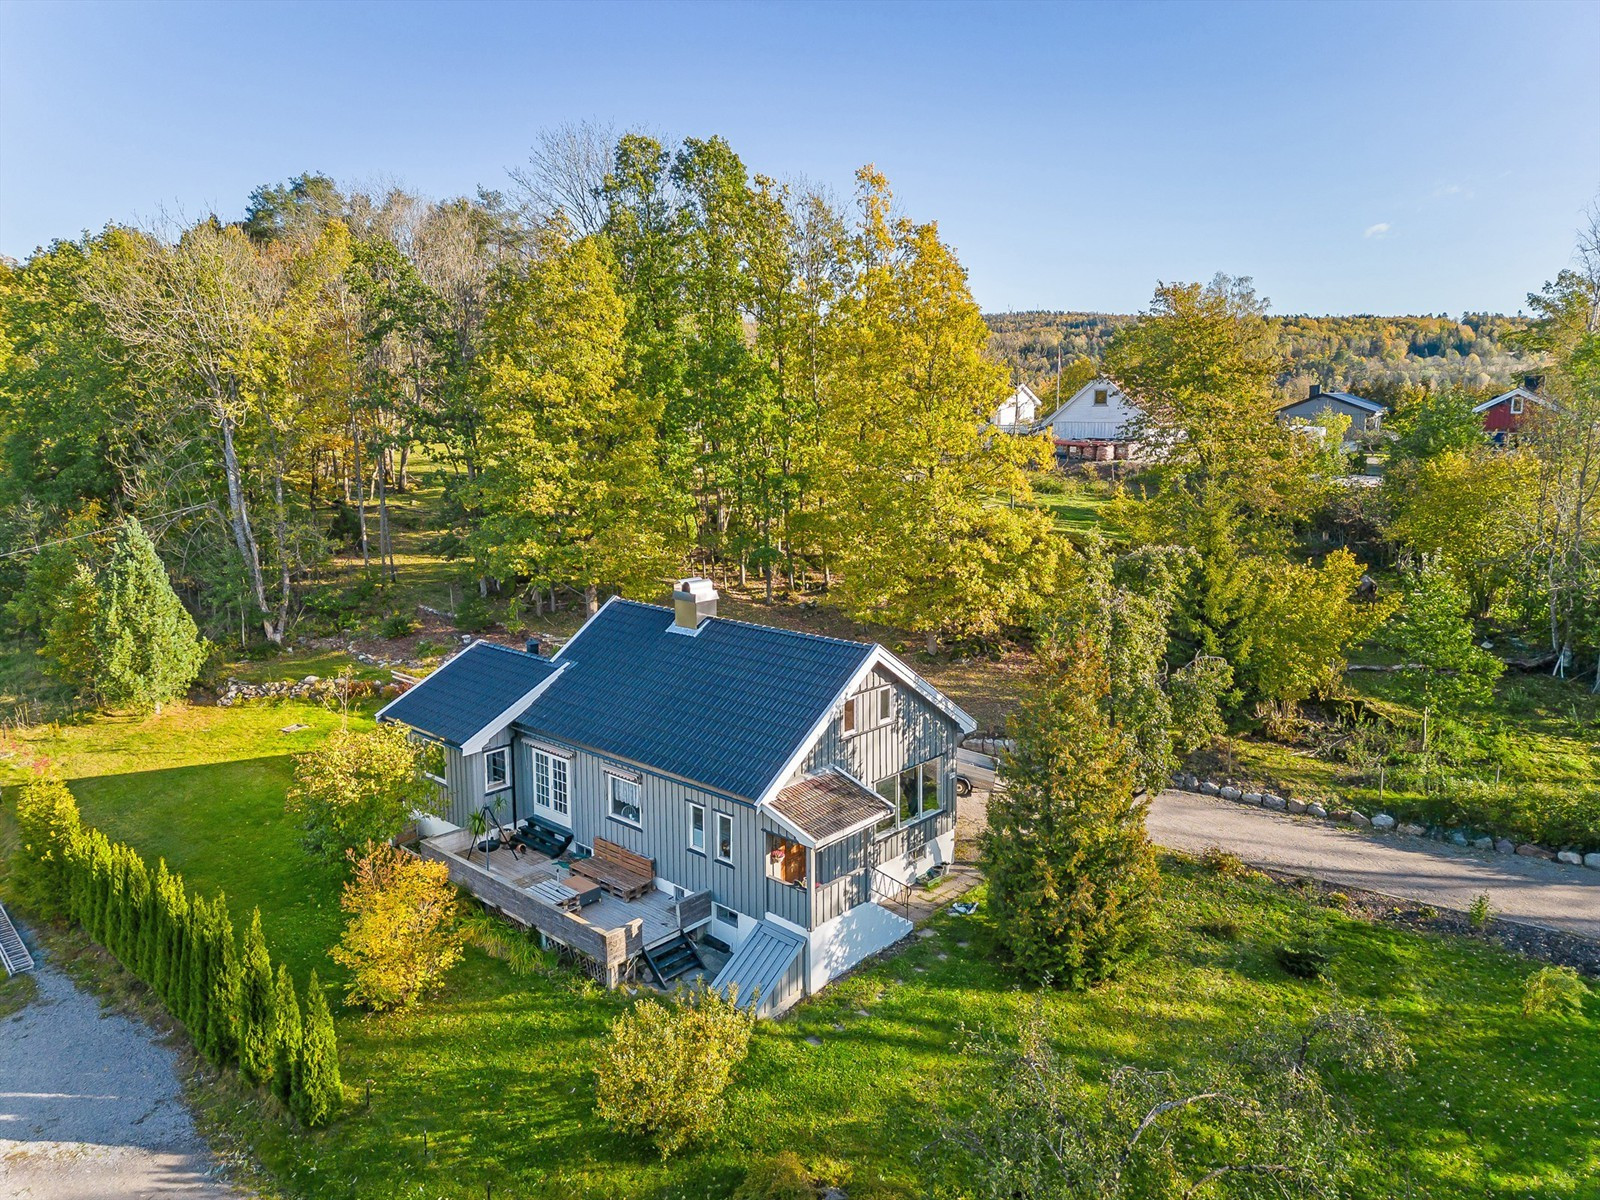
[620, 871]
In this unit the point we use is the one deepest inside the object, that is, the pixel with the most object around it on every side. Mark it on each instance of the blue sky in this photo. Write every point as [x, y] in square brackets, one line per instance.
[1393, 158]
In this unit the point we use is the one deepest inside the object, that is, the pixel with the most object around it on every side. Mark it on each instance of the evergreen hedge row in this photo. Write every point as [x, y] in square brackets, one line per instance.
[183, 946]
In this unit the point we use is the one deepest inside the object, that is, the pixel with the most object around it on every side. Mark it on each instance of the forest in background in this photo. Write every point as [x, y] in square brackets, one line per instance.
[1378, 357]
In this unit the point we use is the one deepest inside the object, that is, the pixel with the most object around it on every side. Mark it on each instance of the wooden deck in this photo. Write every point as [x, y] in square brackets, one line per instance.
[611, 933]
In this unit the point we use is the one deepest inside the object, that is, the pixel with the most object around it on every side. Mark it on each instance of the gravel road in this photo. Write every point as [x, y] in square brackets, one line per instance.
[90, 1106]
[1528, 890]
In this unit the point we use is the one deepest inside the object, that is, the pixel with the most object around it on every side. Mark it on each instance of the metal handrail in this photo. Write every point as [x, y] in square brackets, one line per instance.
[904, 889]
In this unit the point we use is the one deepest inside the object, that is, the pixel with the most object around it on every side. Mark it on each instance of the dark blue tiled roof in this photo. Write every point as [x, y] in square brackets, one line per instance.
[469, 691]
[725, 708]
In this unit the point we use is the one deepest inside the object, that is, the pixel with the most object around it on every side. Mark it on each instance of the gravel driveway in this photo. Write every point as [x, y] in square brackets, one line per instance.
[1528, 890]
[90, 1106]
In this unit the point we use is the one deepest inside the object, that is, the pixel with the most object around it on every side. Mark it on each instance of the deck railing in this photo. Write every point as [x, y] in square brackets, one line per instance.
[610, 949]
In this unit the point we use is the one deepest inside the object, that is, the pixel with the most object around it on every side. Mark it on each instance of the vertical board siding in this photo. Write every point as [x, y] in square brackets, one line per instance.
[663, 833]
[789, 902]
[463, 774]
[918, 733]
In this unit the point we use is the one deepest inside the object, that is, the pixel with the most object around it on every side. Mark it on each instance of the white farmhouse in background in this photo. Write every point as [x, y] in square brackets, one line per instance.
[1095, 422]
[1018, 413]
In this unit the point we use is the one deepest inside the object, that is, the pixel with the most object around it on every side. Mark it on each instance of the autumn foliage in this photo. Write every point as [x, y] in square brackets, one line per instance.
[402, 935]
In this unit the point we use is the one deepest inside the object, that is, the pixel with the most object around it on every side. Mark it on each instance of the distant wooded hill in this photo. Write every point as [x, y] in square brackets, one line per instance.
[1374, 356]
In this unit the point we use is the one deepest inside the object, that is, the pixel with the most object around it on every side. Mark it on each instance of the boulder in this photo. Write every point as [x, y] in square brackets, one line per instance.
[1410, 830]
[1571, 857]
[1231, 793]
[1456, 838]
[1483, 843]
[1529, 850]
[1276, 803]
[1316, 810]
[1208, 788]
[1295, 806]
[1592, 860]
[1504, 846]
[1383, 821]
[1190, 782]
[1252, 798]
[1359, 820]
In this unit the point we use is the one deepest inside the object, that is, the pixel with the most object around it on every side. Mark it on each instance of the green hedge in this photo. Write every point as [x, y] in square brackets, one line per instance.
[184, 947]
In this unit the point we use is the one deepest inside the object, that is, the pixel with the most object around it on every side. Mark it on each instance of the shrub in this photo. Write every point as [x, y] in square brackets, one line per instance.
[397, 625]
[1479, 911]
[357, 788]
[47, 820]
[1223, 862]
[286, 1035]
[1303, 960]
[1557, 990]
[255, 1005]
[318, 1091]
[781, 1177]
[472, 614]
[402, 935]
[664, 1068]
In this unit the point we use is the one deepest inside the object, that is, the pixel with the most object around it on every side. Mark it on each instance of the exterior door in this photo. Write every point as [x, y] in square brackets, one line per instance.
[552, 787]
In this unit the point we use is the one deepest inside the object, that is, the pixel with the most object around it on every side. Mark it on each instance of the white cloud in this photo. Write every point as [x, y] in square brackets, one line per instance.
[1380, 230]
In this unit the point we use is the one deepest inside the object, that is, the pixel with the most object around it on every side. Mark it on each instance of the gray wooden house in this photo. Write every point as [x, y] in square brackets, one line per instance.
[1366, 416]
[778, 790]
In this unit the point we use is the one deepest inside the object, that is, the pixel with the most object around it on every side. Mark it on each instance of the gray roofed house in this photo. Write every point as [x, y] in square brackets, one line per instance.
[1365, 415]
[479, 687]
[774, 783]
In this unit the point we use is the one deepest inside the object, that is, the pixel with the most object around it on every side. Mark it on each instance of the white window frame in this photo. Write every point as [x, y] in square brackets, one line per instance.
[1516, 406]
[552, 776]
[724, 821]
[897, 822]
[613, 800]
[869, 709]
[718, 909]
[1101, 398]
[490, 787]
[697, 812]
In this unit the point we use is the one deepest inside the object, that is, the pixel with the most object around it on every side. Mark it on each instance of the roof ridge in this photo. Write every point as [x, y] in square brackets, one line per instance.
[799, 633]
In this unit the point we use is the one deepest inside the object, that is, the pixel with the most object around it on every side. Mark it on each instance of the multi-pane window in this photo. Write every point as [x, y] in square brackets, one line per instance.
[624, 799]
[914, 792]
[697, 827]
[496, 769]
[724, 837]
[551, 773]
[868, 710]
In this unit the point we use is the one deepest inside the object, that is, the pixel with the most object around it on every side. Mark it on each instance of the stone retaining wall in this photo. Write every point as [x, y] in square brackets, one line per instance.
[1382, 822]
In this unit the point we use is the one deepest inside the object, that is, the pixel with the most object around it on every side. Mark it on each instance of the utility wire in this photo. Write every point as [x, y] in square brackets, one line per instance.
[78, 537]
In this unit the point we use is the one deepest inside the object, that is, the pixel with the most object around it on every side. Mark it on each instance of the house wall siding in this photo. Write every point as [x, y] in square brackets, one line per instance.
[919, 732]
[663, 832]
[463, 775]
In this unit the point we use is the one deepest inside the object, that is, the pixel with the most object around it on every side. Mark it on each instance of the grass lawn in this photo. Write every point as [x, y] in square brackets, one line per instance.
[494, 1075]
[1077, 511]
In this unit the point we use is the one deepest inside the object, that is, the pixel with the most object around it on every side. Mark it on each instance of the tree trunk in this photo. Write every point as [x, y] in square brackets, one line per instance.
[385, 547]
[243, 535]
[591, 600]
[361, 503]
[933, 641]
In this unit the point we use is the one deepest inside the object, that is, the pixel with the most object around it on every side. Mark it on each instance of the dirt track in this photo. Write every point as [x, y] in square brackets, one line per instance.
[91, 1108]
